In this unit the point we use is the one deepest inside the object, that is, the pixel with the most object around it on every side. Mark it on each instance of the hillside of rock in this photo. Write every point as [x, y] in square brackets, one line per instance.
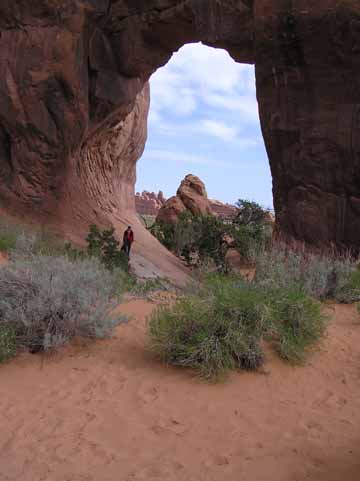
[74, 100]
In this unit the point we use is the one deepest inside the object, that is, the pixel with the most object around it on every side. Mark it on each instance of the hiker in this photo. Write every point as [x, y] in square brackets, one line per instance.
[128, 240]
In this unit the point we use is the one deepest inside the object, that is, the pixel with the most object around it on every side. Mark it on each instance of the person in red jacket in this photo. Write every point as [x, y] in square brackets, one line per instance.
[128, 240]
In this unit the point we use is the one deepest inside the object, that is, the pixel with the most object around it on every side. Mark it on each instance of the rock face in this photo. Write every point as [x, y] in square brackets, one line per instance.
[74, 101]
[191, 196]
[224, 211]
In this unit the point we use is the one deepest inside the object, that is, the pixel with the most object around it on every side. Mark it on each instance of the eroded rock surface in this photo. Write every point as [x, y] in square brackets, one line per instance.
[74, 101]
[191, 196]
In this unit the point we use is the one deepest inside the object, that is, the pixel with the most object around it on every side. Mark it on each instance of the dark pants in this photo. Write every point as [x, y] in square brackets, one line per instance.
[127, 248]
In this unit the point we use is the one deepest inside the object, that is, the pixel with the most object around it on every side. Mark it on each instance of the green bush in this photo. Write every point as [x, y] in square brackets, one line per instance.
[198, 239]
[296, 323]
[348, 291]
[7, 343]
[250, 240]
[221, 324]
[46, 301]
[165, 233]
[214, 332]
[250, 229]
[250, 213]
[7, 241]
[103, 244]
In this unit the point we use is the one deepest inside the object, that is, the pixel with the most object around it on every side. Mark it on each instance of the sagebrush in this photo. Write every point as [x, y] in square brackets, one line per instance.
[221, 325]
[318, 275]
[45, 301]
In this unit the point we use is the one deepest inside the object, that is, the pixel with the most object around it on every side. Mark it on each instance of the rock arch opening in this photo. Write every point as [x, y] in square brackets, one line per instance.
[74, 101]
[204, 120]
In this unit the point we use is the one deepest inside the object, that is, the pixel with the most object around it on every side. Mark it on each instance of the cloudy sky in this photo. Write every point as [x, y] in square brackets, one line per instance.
[204, 121]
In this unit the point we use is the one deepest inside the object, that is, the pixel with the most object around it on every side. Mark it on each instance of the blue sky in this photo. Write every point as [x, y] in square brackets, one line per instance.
[204, 121]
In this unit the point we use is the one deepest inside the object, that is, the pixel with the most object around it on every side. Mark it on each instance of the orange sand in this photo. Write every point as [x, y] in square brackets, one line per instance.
[107, 411]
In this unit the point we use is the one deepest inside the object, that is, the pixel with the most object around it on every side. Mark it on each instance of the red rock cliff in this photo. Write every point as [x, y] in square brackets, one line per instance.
[74, 101]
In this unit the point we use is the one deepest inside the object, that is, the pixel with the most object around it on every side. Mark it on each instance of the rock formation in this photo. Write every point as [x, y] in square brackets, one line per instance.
[191, 196]
[224, 211]
[170, 211]
[74, 101]
[149, 203]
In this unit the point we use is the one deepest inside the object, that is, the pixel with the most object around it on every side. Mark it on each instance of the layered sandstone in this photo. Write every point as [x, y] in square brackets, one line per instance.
[74, 101]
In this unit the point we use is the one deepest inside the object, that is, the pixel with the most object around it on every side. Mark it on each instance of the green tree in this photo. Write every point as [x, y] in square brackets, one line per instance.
[106, 247]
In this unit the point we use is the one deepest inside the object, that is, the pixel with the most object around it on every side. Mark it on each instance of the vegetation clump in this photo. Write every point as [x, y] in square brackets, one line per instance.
[322, 276]
[212, 333]
[296, 323]
[202, 239]
[251, 229]
[348, 290]
[45, 301]
[104, 245]
[222, 326]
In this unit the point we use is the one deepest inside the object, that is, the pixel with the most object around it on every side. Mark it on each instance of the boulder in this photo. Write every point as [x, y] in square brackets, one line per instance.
[191, 196]
[170, 211]
[192, 193]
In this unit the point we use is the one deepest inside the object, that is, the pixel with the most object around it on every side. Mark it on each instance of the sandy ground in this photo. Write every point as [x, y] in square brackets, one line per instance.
[109, 412]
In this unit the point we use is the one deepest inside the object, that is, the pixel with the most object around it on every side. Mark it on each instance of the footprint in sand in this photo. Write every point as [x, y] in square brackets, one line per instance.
[148, 394]
[169, 425]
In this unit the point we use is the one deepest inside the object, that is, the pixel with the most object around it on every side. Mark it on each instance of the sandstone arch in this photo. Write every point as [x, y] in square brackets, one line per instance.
[74, 101]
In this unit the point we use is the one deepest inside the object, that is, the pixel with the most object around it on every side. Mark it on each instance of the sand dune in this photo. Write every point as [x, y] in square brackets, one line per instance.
[109, 412]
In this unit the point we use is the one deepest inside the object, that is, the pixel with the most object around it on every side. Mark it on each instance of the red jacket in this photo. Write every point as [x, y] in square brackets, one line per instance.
[129, 236]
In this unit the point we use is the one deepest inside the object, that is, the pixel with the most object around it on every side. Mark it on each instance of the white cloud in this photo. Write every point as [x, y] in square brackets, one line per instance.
[238, 103]
[201, 75]
[219, 130]
[180, 157]
[206, 128]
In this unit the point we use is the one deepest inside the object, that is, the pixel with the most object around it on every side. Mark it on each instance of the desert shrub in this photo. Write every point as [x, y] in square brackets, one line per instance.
[8, 234]
[45, 301]
[30, 242]
[219, 326]
[106, 247]
[198, 239]
[319, 276]
[296, 323]
[250, 213]
[7, 241]
[348, 288]
[147, 286]
[7, 343]
[148, 220]
[251, 231]
[250, 240]
[214, 332]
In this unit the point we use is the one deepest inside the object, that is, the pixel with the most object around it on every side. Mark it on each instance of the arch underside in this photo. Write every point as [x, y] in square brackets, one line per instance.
[74, 101]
